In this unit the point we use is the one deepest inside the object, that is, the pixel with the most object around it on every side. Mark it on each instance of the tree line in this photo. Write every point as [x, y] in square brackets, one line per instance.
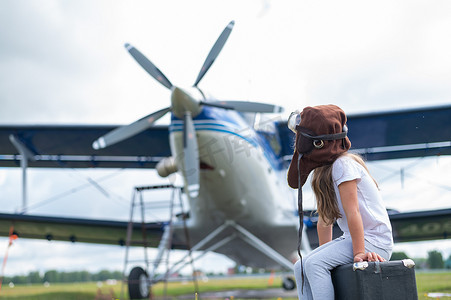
[54, 276]
[433, 261]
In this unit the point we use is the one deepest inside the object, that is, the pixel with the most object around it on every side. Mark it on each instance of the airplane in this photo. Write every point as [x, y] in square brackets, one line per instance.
[232, 156]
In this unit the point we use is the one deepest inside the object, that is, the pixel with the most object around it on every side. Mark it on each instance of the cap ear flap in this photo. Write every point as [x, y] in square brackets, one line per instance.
[304, 144]
[293, 172]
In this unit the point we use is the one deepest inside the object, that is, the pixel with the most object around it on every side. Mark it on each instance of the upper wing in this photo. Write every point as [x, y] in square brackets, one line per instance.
[407, 227]
[71, 147]
[393, 134]
[386, 135]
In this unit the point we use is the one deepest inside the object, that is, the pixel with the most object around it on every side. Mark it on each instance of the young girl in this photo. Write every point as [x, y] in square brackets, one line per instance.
[345, 193]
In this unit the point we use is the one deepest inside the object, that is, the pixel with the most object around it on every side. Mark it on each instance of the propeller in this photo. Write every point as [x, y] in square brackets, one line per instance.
[184, 106]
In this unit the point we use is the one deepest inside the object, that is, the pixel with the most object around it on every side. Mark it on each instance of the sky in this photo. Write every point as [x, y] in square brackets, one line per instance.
[64, 62]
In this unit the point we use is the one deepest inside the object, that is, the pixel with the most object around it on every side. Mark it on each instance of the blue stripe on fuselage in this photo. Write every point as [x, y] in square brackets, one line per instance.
[231, 122]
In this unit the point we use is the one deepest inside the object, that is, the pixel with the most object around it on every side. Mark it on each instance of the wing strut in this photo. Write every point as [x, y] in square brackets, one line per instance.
[25, 155]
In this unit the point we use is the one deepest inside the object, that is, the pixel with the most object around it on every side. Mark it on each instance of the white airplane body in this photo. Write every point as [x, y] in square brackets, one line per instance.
[239, 181]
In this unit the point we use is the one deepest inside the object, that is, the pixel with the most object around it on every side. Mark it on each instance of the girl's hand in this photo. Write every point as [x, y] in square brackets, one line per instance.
[369, 256]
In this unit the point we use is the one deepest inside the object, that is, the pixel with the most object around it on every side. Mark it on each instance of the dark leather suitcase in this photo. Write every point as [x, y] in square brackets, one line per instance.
[375, 280]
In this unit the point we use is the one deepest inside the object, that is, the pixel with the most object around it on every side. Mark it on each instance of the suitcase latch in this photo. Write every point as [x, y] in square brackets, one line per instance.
[408, 263]
[360, 265]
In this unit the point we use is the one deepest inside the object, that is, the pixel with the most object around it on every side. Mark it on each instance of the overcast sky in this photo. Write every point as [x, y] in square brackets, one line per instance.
[63, 62]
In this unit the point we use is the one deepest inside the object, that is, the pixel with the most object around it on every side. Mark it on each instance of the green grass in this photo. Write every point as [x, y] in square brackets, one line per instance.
[179, 288]
[426, 283]
[433, 283]
[69, 291]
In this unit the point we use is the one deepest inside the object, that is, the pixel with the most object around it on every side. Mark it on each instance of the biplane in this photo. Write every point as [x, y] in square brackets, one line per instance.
[233, 157]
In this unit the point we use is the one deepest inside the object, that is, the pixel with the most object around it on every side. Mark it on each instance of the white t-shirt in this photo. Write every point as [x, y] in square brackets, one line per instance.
[376, 223]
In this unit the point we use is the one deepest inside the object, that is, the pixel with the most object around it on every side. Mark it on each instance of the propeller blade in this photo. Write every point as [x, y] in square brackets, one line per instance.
[217, 104]
[217, 47]
[148, 66]
[191, 155]
[246, 106]
[127, 131]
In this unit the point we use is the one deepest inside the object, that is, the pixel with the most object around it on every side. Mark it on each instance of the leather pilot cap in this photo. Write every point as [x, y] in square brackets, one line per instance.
[320, 138]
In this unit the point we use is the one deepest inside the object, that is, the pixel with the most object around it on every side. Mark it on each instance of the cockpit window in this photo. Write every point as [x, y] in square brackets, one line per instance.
[265, 125]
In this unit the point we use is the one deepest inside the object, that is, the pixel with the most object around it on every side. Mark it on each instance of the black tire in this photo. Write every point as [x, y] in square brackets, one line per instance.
[138, 284]
[288, 284]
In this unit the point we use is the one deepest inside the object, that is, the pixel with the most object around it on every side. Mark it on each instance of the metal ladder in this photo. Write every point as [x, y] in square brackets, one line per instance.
[138, 201]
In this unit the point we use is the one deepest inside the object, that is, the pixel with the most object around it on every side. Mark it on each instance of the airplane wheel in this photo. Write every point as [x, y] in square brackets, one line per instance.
[288, 284]
[138, 284]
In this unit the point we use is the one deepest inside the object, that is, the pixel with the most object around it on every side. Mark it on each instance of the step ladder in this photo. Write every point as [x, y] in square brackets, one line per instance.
[138, 202]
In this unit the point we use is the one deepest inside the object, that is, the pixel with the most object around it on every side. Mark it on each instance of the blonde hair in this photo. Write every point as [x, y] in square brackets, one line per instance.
[323, 188]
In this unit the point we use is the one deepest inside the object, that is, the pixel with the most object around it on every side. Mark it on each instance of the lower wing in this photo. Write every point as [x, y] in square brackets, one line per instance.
[407, 227]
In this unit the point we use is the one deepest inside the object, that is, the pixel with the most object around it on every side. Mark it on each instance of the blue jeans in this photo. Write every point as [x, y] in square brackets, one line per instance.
[318, 264]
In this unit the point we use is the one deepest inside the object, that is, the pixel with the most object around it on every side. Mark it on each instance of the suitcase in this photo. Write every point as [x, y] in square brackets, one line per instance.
[375, 280]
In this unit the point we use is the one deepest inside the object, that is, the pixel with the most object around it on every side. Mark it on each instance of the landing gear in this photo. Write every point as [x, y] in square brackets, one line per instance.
[288, 283]
[138, 284]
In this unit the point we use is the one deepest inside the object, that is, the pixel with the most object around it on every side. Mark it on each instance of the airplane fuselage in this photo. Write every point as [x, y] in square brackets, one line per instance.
[242, 180]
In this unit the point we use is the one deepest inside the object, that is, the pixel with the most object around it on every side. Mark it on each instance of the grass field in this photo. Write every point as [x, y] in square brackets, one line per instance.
[426, 283]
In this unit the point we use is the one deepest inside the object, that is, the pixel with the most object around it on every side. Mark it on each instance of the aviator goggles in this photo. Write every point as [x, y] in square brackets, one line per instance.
[293, 120]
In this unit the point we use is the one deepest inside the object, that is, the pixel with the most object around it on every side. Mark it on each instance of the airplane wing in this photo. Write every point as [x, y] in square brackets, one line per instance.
[376, 136]
[393, 134]
[58, 146]
[421, 225]
[82, 230]
[407, 227]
